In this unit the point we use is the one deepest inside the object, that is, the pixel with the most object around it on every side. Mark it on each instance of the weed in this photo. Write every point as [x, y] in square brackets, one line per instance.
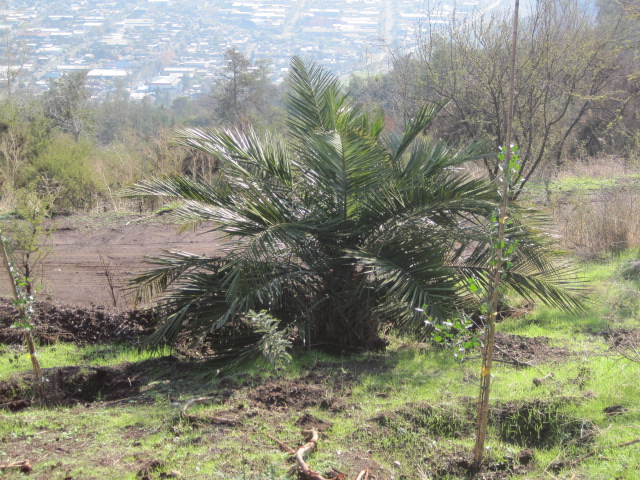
[541, 424]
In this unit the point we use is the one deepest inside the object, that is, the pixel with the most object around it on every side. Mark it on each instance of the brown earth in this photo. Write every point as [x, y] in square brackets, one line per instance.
[53, 322]
[88, 251]
[527, 351]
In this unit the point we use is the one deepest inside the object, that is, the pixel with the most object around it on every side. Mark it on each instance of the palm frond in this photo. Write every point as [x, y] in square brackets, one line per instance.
[337, 228]
[413, 128]
[316, 95]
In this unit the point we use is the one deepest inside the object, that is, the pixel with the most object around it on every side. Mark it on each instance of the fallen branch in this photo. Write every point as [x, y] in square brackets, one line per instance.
[207, 418]
[304, 470]
[24, 466]
[630, 442]
[303, 467]
[363, 475]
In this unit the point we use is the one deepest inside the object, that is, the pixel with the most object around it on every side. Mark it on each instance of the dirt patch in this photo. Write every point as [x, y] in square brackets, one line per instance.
[90, 252]
[53, 322]
[153, 469]
[326, 385]
[527, 350]
[623, 338]
[446, 464]
[530, 424]
[352, 462]
[308, 421]
[346, 372]
[454, 421]
[70, 385]
[614, 410]
[283, 394]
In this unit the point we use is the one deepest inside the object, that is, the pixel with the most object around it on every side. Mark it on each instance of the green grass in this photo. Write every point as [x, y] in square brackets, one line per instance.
[413, 405]
[581, 184]
[15, 358]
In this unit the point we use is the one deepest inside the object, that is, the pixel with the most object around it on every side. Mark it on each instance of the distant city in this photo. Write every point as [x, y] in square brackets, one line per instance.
[176, 47]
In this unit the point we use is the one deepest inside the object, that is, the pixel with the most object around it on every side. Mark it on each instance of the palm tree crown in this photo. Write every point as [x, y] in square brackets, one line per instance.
[338, 227]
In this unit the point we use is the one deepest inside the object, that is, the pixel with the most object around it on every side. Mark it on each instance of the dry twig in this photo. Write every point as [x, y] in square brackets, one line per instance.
[23, 465]
[206, 418]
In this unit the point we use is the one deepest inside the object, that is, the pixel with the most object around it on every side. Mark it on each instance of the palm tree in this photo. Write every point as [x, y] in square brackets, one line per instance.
[337, 229]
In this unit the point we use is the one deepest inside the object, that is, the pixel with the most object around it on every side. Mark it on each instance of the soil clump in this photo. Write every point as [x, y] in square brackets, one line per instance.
[527, 350]
[53, 323]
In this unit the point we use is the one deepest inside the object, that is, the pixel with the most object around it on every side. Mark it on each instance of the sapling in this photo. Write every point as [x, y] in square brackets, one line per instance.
[24, 304]
[509, 169]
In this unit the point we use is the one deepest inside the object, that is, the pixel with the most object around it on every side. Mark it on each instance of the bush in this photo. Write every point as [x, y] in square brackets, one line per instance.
[65, 170]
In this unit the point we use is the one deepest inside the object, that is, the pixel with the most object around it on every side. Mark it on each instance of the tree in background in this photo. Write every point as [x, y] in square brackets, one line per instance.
[336, 230]
[36, 156]
[66, 104]
[24, 135]
[567, 66]
[577, 91]
[244, 95]
[14, 56]
[399, 94]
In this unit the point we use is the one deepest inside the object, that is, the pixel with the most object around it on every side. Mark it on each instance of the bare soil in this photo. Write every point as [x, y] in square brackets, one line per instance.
[526, 351]
[54, 322]
[623, 338]
[88, 252]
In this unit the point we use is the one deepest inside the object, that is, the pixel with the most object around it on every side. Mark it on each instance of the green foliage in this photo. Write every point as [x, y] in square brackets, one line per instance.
[456, 333]
[28, 238]
[273, 344]
[24, 134]
[65, 168]
[339, 229]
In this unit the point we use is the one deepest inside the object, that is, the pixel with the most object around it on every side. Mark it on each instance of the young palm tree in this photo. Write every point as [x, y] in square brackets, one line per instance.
[337, 229]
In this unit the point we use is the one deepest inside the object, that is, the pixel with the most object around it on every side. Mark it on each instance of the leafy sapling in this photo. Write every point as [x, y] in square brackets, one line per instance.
[24, 304]
[455, 333]
[273, 345]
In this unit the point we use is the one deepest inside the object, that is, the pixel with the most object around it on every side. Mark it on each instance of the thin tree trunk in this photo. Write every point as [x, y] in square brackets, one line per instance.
[496, 274]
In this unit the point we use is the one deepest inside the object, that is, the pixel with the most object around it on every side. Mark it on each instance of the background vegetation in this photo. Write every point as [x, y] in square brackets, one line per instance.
[577, 100]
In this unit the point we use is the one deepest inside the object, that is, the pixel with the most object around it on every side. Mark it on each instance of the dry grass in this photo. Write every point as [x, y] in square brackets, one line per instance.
[604, 221]
[596, 205]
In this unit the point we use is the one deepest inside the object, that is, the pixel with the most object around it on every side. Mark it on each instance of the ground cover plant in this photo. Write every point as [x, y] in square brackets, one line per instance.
[564, 401]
